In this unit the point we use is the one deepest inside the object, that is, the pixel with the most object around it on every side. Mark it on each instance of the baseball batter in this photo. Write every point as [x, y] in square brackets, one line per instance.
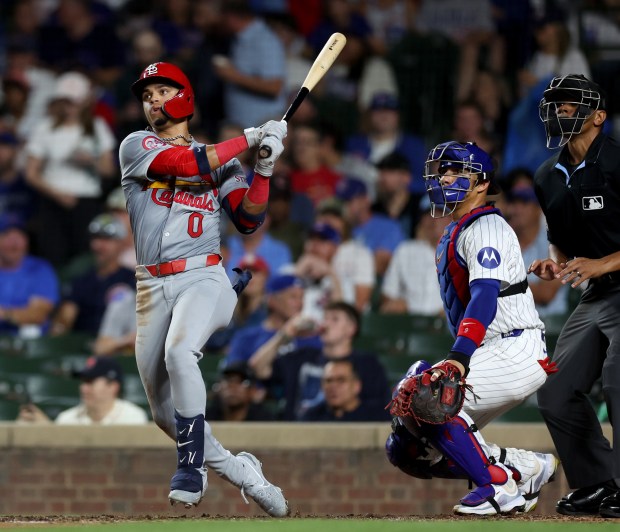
[499, 343]
[176, 189]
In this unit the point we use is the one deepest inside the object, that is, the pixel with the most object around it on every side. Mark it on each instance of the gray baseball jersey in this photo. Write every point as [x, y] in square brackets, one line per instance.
[178, 218]
[172, 217]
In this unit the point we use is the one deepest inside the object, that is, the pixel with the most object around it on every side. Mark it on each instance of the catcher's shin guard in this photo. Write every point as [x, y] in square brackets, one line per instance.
[497, 492]
[189, 483]
[460, 441]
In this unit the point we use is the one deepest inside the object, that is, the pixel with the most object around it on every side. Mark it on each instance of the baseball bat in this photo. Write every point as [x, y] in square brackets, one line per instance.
[321, 65]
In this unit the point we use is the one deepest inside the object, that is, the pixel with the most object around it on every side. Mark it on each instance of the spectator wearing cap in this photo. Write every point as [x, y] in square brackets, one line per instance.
[86, 297]
[67, 157]
[394, 197]
[309, 173]
[342, 388]
[295, 377]
[525, 216]
[285, 328]
[378, 232]
[234, 396]
[315, 267]
[251, 307]
[29, 288]
[410, 283]
[100, 399]
[16, 196]
[353, 263]
[384, 136]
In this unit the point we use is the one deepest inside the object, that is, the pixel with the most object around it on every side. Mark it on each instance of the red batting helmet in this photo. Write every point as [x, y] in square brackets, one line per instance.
[179, 106]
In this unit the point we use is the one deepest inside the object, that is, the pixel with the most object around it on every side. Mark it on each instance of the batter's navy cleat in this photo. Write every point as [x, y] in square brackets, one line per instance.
[492, 499]
[189, 483]
[188, 486]
[269, 497]
[530, 487]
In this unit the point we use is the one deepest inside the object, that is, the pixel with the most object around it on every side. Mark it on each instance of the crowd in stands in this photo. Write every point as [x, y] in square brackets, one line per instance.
[348, 229]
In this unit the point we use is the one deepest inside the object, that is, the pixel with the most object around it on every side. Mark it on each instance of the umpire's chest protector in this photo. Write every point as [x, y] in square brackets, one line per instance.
[452, 270]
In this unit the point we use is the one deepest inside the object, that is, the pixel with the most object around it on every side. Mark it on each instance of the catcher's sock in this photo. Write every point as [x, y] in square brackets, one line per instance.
[525, 462]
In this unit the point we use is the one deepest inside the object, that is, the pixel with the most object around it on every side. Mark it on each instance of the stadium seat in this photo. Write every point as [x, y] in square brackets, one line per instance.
[395, 367]
[67, 344]
[210, 368]
[133, 390]
[18, 365]
[8, 410]
[526, 412]
[43, 387]
[404, 335]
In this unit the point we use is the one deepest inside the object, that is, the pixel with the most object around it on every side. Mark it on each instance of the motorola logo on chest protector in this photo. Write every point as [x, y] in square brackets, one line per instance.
[592, 203]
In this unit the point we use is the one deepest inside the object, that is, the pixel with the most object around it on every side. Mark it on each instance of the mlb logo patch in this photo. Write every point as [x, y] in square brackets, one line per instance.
[592, 203]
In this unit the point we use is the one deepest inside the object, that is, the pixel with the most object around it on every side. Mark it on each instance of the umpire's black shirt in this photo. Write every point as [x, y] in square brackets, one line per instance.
[582, 203]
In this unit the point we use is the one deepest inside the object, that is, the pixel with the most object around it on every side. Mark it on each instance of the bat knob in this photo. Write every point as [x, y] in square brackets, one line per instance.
[264, 152]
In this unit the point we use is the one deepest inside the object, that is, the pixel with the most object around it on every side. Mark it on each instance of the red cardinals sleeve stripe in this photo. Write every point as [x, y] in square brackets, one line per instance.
[244, 221]
[223, 152]
[258, 192]
[177, 161]
[181, 162]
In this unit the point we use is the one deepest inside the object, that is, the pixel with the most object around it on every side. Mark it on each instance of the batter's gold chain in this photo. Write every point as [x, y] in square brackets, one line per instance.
[186, 139]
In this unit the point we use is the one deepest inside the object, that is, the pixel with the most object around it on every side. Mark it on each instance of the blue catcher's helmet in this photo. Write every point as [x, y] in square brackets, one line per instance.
[468, 158]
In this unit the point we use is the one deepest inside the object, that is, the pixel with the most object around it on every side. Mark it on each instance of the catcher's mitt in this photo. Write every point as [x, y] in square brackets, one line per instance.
[431, 402]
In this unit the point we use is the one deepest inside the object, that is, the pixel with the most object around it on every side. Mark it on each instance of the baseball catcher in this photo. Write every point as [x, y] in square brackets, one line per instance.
[499, 348]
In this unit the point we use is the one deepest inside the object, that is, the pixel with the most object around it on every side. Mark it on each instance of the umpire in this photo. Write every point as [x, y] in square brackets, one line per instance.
[579, 192]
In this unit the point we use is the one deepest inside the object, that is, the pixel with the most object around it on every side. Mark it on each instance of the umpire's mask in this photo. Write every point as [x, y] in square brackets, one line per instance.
[573, 89]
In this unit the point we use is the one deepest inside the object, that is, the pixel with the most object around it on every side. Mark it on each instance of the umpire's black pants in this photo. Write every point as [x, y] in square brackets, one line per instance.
[588, 347]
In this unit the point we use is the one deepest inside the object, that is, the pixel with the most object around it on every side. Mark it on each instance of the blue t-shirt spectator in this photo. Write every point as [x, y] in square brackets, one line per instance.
[256, 51]
[275, 253]
[34, 277]
[246, 342]
[380, 232]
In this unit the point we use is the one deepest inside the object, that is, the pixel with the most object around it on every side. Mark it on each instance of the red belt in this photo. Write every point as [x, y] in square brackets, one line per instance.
[176, 266]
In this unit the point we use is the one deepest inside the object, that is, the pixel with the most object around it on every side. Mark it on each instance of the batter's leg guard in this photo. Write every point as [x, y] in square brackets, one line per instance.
[189, 483]
[497, 492]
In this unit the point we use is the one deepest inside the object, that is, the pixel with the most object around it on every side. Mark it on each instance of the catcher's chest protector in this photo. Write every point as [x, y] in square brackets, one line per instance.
[452, 272]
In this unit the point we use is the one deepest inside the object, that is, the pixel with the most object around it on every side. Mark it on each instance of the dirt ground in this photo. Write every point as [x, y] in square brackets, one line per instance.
[8, 521]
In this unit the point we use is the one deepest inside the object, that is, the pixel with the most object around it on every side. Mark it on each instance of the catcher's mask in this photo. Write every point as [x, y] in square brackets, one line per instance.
[467, 158]
[573, 89]
[181, 105]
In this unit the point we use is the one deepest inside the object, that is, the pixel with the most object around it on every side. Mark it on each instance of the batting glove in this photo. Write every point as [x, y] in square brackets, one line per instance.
[254, 135]
[264, 166]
